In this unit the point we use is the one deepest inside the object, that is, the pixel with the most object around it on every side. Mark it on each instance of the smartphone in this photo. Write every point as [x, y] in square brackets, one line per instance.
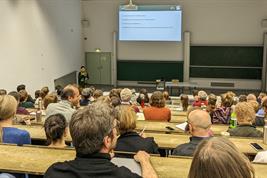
[256, 146]
[169, 128]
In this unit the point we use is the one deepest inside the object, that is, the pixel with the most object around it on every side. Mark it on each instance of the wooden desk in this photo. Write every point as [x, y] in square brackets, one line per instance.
[160, 127]
[36, 160]
[171, 141]
[165, 141]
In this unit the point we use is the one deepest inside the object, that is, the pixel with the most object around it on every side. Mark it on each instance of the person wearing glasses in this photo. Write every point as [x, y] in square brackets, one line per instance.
[198, 126]
[94, 136]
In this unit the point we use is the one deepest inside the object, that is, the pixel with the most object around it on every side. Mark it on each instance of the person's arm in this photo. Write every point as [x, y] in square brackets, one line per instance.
[147, 170]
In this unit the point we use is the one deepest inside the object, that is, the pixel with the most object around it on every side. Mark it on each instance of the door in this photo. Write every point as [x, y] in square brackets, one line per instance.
[98, 66]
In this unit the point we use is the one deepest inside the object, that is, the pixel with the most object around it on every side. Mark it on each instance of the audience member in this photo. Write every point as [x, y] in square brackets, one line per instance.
[56, 129]
[199, 123]
[37, 94]
[157, 111]
[94, 136]
[8, 133]
[70, 98]
[143, 97]
[219, 157]
[48, 99]
[212, 100]
[23, 87]
[129, 140]
[222, 114]
[259, 98]
[185, 102]
[3, 92]
[86, 94]
[20, 110]
[24, 101]
[126, 95]
[202, 99]
[245, 115]
[242, 98]
[167, 97]
[97, 94]
[251, 97]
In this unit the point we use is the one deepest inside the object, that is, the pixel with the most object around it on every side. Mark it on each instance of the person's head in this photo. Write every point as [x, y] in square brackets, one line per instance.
[37, 94]
[55, 127]
[86, 93]
[44, 91]
[8, 108]
[251, 97]
[242, 98]
[199, 123]
[3, 92]
[166, 95]
[185, 102]
[227, 100]
[126, 95]
[21, 87]
[255, 105]
[143, 96]
[83, 69]
[97, 94]
[15, 94]
[212, 103]
[244, 113]
[195, 95]
[23, 95]
[127, 118]
[71, 93]
[157, 99]
[218, 157]
[114, 93]
[202, 95]
[93, 129]
[115, 101]
[50, 98]
[264, 104]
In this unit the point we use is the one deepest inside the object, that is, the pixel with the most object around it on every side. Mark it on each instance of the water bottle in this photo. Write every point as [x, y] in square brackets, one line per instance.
[233, 121]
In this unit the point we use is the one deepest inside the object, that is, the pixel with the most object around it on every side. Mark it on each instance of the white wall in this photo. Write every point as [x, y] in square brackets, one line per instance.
[39, 42]
[211, 22]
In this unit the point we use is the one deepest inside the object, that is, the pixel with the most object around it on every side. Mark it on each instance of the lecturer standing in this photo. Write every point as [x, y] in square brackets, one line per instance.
[82, 77]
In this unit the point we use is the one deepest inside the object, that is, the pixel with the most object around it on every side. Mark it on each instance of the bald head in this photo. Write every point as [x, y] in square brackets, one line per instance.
[199, 119]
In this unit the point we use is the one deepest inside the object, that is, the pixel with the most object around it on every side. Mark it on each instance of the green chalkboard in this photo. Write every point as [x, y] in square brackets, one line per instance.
[240, 62]
[135, 70]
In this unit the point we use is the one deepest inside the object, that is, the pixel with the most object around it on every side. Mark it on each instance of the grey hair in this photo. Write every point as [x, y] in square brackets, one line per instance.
[90, 125]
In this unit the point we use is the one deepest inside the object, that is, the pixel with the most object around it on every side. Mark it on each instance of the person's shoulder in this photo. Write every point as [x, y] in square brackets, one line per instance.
[55, 169]
[182, 150]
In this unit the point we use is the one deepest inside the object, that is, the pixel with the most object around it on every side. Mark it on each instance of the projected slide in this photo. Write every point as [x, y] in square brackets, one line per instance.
[150, 25]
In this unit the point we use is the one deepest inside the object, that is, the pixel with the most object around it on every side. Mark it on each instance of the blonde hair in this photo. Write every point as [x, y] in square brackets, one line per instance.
[8, 108]
[255, 105]
[244, 112]
[127, 118]
[218, 157]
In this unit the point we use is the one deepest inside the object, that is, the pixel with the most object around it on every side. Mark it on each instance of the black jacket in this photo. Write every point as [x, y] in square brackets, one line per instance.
[89, 166]
[133, 142]
[188, 149]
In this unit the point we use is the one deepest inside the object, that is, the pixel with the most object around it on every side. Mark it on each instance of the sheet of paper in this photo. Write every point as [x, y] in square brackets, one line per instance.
[182, 126]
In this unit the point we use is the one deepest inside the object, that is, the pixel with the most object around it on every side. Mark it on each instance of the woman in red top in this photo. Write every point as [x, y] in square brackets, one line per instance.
[157, 111]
